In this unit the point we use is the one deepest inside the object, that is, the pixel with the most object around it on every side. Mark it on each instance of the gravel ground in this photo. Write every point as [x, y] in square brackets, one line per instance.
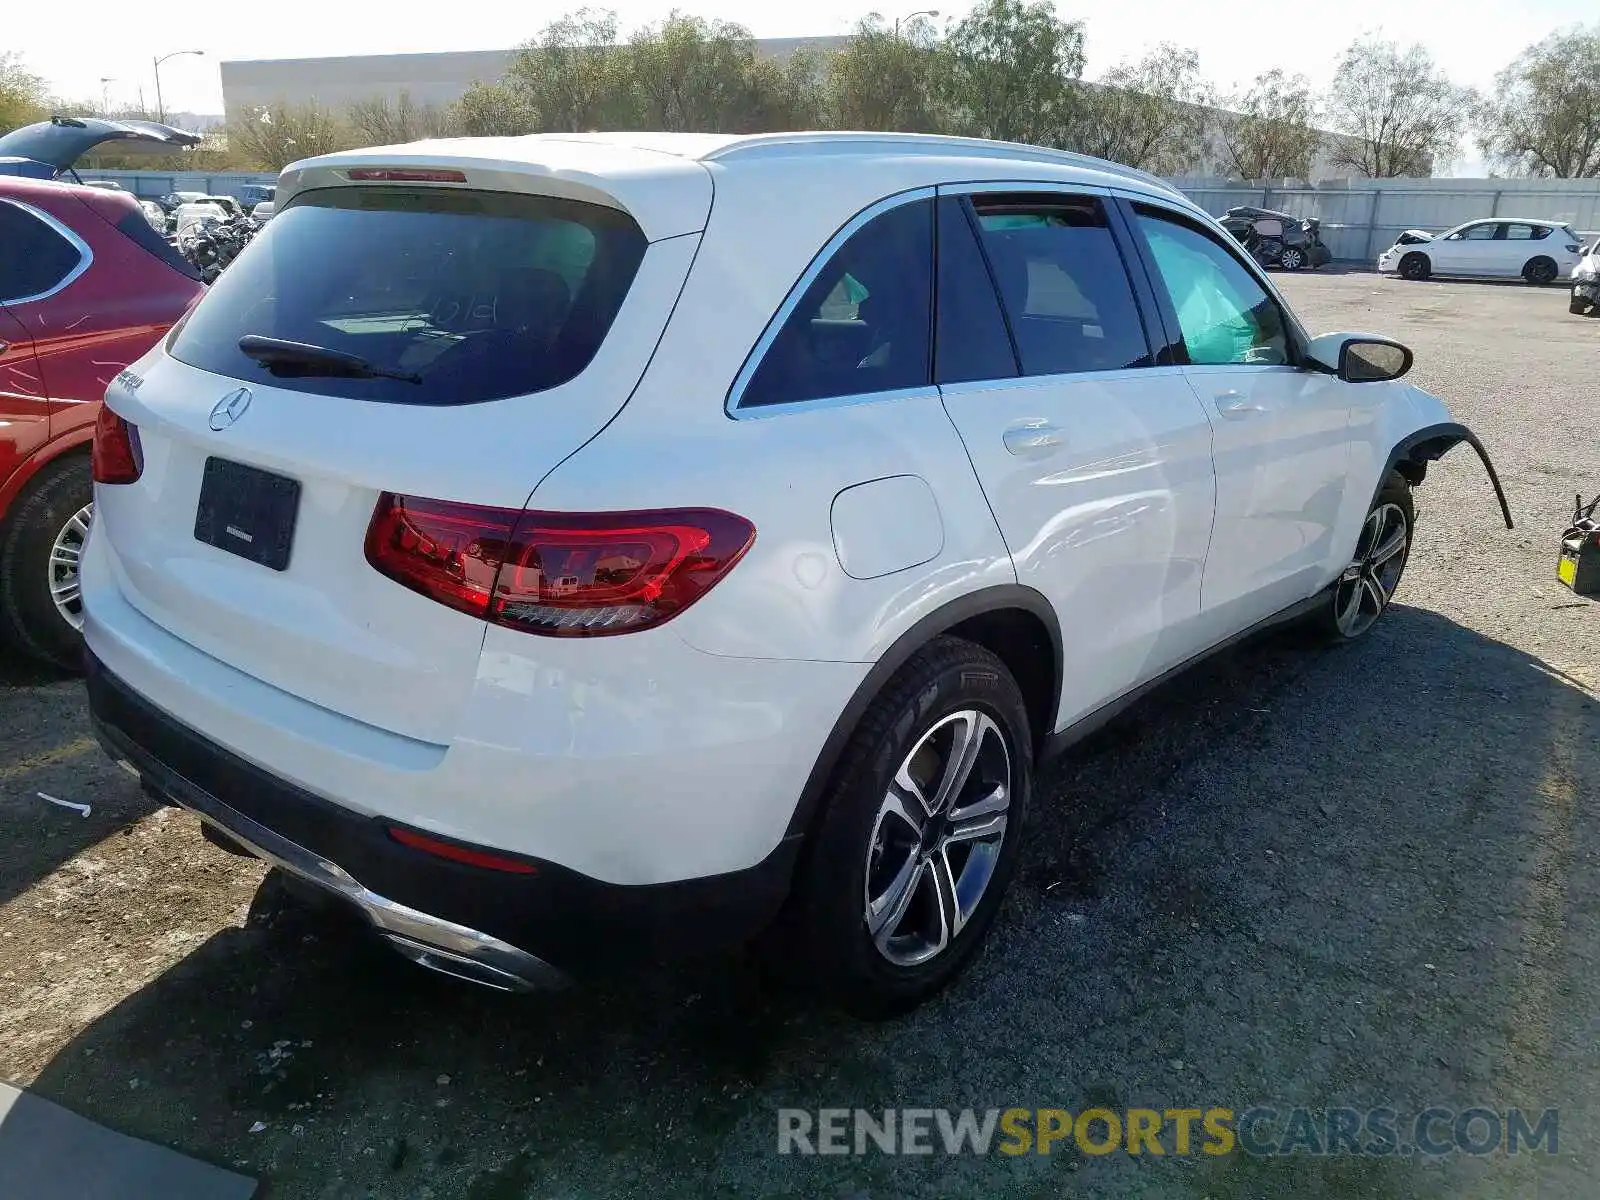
[1350, 878]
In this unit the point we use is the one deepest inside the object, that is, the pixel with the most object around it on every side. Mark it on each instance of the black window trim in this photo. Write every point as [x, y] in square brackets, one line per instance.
[964, 206]
[1126, 248]
[85, 254]
[734, 407]
[1295, 333]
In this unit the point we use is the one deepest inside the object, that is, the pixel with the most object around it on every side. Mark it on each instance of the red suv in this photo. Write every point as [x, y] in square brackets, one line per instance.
[86, 287]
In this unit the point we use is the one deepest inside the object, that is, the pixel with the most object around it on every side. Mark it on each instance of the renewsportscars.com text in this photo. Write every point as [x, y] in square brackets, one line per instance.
[1261, 1131]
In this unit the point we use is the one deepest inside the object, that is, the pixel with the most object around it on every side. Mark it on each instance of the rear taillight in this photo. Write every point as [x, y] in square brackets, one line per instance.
[404, 175]
[114, 457]
[557, 574]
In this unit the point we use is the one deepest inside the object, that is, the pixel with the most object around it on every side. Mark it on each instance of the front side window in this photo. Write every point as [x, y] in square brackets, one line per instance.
[1480, 233]
[452, 296]
[34, 258]
[1224, 313]
[863, 324]
[1061, 279]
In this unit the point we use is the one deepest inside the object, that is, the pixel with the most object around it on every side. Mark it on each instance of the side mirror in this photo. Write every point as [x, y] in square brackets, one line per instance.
[1360, 357]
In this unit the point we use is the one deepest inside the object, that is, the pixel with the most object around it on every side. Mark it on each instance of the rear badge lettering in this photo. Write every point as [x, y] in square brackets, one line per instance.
[235, 531]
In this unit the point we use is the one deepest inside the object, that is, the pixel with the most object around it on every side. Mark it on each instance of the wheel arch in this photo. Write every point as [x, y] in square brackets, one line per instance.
[1412, 454]
[1013, 621]
[75, 442]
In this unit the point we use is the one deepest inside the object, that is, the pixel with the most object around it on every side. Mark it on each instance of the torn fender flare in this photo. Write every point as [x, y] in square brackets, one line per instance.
[1433, 442]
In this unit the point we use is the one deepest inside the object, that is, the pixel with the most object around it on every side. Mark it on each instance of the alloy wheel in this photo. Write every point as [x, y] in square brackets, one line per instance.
[936, 838]
[1368, 583]
[65, 553]
[1292, 259]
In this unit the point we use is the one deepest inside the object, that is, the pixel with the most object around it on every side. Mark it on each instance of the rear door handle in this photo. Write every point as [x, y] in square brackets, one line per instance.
[1236, 406]
[1032, 439]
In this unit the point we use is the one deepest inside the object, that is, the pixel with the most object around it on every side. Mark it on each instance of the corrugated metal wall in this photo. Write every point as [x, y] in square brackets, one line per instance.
[1360, 217]
[148, 185]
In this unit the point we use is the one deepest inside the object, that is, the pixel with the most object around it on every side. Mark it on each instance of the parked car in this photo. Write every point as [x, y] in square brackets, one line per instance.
[1278, 239]
[1586, 282]
[252, 194]
[1539, 251]
[173, 201]
[263, 211]
[551, 565]
[110, 185]
[86, 287]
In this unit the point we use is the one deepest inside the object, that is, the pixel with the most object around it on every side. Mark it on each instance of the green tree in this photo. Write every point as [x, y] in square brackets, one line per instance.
[883, 80]
[1545, 116]
[492, 110]
[690, 74]
[1269, 131]
[1401, 112]
[790, 94]
[1148, 114]
[23, 99]
[1010, 70]
[574, 75]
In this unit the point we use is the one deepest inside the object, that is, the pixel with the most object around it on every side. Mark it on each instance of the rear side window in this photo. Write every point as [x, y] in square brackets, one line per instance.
[1526, 233]
[472, 296]
[35, 259]
[863, 324]
[1061, 279]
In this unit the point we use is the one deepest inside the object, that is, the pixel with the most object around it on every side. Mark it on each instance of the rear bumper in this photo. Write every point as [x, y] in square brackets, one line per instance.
[510, 931]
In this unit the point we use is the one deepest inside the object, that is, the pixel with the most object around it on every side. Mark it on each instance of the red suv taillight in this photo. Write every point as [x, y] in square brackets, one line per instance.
[557, 574]
[114, 457]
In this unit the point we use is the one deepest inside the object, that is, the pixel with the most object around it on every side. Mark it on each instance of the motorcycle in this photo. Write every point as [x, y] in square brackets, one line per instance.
[211, 243]
[1277, 239]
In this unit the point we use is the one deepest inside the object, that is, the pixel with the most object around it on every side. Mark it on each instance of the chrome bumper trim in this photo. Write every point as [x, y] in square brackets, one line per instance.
[429, 941]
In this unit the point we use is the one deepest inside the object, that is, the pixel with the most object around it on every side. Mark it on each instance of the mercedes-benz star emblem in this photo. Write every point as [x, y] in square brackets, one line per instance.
[230, 408]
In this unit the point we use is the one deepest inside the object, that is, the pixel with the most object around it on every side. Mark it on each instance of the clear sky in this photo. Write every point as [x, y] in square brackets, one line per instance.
[75, 48]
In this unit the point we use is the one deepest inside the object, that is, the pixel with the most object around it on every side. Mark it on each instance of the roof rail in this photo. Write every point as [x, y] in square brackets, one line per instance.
[774, 144]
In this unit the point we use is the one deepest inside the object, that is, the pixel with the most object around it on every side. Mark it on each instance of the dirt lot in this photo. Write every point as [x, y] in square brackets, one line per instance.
[1353, 878]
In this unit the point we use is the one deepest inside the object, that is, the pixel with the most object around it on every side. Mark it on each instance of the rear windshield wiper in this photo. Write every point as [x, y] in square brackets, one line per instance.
[283, 357]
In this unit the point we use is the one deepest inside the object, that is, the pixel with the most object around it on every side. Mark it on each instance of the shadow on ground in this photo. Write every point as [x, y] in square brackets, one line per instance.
[44, 715]
[1354, 878]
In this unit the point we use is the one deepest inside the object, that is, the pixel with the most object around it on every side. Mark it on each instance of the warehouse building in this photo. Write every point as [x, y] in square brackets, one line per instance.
[430, 79]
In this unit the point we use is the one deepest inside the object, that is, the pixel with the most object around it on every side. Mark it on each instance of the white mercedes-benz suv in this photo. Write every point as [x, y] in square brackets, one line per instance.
[577, 547]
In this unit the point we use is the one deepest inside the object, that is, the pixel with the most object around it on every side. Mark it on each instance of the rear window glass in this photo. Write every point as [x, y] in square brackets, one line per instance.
[471, 295]
[138, 229]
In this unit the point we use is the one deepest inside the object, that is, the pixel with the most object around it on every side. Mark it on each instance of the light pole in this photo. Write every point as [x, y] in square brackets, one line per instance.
[926, 12]
[105, 94]
[161, 110]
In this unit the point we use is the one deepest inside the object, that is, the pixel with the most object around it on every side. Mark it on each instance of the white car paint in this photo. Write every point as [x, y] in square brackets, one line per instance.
[1156, 510]
[1501, 247]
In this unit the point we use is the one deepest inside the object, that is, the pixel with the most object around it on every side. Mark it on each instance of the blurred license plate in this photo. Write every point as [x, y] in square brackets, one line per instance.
[247, 511]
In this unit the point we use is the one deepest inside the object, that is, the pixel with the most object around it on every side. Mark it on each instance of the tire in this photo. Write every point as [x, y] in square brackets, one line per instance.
[1415, 266]
[863, 855]
[1365, 588]
[1292, 259]
[1541, 271]
[46, 525]
[1577, 307]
